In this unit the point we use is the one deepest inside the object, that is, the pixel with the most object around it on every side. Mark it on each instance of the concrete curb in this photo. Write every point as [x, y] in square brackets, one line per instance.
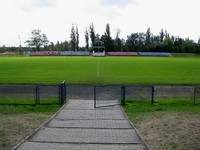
[148, 147]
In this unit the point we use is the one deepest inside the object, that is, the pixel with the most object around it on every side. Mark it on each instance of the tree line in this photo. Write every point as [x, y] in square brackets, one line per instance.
[135, 42]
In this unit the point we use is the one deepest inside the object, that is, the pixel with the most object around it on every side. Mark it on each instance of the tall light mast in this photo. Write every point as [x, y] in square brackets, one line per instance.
[20, 45]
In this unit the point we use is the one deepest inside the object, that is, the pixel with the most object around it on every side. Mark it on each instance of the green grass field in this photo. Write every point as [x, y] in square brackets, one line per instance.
[99, 70]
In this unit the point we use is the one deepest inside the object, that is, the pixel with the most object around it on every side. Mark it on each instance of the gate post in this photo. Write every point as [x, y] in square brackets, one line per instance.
[37, 95]
[62, 92]
[123, 94]
[152, 95]
[194, 95]
[94, 96]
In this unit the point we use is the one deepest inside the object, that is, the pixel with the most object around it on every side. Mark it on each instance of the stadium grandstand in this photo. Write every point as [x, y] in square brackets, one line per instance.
[97, 53]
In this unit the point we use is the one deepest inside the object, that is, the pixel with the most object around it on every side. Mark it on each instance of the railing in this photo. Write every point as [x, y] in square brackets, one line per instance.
[105, 94]
[40, 94]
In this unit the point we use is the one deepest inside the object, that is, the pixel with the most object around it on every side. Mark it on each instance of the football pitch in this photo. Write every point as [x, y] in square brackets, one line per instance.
[99, 70]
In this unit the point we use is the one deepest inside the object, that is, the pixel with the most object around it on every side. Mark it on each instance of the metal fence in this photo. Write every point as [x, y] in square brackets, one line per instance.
[33, 94]
[196, 95]
[151, 93]
[142, 92]
[190, 94]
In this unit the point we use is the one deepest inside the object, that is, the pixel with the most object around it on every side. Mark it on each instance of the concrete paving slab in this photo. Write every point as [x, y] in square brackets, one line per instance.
[92, 136]
[80, 104]
[64, 146]
[100, 103]
[107, 124]
[90, 114]
[89, 104]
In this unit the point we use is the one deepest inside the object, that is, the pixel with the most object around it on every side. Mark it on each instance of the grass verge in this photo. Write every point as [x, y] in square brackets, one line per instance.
[17, 122]
[28, 101]
[168, 124]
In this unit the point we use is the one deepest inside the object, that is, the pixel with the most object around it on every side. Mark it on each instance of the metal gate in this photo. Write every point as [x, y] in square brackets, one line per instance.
[108, 95]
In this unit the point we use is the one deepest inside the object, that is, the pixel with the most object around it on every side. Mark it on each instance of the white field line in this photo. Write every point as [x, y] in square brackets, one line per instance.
[98, 72]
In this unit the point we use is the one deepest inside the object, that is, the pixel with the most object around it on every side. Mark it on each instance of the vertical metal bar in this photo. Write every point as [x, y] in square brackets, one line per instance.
[123, 94]
[152, 95]
[65, 90]
[60, 93]
[194, 94]
[63, 93]
[38, 94]
[94, 96]
[35, 95]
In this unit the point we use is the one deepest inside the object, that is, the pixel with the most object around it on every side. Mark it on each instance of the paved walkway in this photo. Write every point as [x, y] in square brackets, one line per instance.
[81, 126]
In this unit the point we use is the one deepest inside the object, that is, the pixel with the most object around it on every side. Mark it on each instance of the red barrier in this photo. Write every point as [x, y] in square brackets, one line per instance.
[44, 53]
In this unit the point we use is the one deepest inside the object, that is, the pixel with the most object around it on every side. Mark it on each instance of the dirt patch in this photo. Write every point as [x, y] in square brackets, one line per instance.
[171, 130]
[14, 128]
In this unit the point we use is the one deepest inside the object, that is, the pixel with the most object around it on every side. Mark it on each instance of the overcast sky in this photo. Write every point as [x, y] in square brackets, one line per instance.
[55, 18]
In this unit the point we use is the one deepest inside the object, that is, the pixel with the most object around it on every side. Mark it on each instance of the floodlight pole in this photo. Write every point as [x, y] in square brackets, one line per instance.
[20, 45]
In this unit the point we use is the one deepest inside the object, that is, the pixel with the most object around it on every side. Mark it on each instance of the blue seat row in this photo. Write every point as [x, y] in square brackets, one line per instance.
[162, 54]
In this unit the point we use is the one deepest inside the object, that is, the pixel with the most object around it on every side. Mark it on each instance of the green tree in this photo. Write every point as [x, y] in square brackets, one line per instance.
[87, 39]
[162, 35]
[118, 42]
[58, 46]
[132, 42]
[166, 35]
[37, 40]
[109, 44]
[3, 49]
[189, 46]
[77, 39]
[51, 46]
[73, 38]
[66, 45]
[92, 34]
[168, 45]
[148, 37]
[198, 42]
[178, 44]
